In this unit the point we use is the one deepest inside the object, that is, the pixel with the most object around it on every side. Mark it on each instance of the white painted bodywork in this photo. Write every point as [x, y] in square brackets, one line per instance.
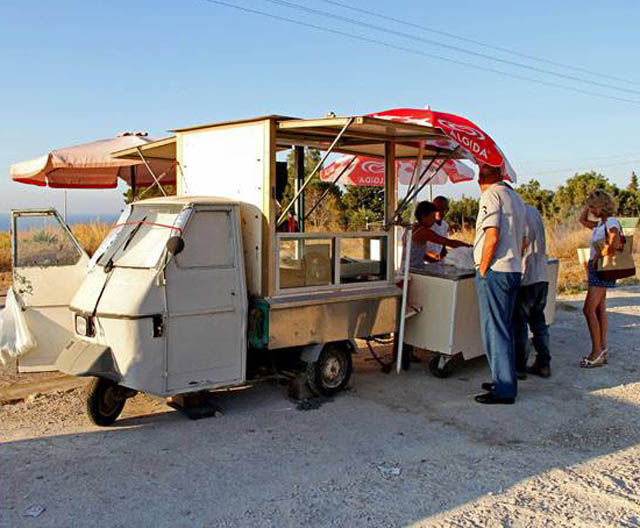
[230, 163]
[200, 297]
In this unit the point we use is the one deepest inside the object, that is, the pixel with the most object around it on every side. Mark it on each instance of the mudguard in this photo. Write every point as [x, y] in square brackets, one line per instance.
[81, 358]
[311, 353]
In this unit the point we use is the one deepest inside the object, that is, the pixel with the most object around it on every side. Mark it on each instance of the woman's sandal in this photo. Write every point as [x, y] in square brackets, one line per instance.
[597, 362]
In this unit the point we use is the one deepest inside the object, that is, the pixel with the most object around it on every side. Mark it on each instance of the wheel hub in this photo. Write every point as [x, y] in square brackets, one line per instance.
[332, 372]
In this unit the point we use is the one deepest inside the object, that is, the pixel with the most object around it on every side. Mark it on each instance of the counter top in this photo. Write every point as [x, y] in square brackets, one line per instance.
[443, 271]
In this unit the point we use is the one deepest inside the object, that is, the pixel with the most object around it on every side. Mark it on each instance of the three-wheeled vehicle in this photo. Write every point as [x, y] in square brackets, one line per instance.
[186, 287]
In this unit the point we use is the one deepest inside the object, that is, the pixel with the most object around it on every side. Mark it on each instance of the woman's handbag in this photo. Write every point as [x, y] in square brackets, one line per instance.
[620, 265]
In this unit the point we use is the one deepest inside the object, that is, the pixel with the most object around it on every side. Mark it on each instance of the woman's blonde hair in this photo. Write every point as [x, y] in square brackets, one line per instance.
[599, 199]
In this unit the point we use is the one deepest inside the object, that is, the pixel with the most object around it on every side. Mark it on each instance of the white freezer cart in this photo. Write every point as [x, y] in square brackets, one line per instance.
[447, 320]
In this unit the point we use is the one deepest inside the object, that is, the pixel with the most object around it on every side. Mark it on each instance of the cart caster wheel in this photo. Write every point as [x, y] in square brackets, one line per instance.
[105, 401]
[331, 372]
[440, 367]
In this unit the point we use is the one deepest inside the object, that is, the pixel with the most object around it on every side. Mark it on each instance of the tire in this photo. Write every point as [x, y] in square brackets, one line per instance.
[104, 401]
[331, 372]
[440, 372]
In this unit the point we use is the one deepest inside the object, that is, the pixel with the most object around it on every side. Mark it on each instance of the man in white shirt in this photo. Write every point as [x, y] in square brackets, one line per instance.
[531, 301]
[436, 252]
[497, 252]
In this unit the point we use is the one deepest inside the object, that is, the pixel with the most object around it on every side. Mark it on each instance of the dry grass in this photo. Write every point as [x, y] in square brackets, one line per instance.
[563, 242]
[89, 236]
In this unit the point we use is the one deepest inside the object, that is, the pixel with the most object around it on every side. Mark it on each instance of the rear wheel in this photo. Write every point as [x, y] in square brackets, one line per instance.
[105, 401]
[330, 373]
[441, 366]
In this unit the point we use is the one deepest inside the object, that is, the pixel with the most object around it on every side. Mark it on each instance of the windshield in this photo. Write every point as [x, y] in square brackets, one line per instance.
[139, 239]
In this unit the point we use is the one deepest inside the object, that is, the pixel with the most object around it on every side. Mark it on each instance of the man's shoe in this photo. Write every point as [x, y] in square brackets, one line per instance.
[488, 386]
[538, 370]
[521, 375]
[490, 398]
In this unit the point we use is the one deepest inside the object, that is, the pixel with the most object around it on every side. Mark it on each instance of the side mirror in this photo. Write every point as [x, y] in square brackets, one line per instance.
[175, 245]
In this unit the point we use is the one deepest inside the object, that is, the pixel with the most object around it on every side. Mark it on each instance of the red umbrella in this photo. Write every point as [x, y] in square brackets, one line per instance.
[91, 166]
[474, 142]
[370, 171]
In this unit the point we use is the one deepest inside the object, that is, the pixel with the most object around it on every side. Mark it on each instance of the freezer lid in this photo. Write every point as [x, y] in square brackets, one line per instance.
[443, 271]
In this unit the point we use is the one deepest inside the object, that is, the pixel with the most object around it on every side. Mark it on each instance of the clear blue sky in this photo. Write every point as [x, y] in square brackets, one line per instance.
[75, 71]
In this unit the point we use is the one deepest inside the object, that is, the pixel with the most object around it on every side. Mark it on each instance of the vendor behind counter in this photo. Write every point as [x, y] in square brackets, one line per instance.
[422, 234]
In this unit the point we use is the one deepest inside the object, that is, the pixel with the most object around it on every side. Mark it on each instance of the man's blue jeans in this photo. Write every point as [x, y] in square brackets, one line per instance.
[497, 293]
[530, 306]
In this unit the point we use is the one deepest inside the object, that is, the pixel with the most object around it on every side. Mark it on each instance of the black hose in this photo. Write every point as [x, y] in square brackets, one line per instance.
[386, 367]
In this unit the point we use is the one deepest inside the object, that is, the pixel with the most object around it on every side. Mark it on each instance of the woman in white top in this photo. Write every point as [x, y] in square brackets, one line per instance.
[607, 230]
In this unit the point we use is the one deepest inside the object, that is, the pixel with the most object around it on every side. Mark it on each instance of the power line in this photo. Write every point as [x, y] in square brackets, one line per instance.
[612, 156]
[457, 49]
[629, 162]
[479, 43]
[419, 52]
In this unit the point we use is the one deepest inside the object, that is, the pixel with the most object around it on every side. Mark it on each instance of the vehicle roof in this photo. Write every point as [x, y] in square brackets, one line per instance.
[188, 200]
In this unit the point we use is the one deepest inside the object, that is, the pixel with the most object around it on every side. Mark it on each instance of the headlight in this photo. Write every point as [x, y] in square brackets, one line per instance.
[84, 326]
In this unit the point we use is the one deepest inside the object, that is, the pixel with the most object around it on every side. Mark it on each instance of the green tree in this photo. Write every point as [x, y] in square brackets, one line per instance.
[571, 197]
[541, 199]
[153, 192]
[329, 215]
[462, 212]
[363, 204]
[633, 184]
[628, 203]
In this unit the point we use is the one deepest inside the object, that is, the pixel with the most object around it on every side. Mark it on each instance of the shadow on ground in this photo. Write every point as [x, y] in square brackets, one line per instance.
[266, 463]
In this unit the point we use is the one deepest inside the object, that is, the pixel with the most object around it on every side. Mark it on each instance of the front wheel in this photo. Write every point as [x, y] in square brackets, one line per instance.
[330, 373]
[105, 401]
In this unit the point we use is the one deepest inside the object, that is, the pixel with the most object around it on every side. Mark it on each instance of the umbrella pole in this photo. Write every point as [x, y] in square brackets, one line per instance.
[132, 172]
[405, 271]
[405, 282]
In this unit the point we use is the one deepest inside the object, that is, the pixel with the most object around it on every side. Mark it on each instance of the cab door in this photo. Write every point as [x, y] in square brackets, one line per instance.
[207, 303]
[48, 267]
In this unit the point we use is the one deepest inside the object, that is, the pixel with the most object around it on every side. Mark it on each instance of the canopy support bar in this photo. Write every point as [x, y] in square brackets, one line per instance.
[412, 186]
[315, 170]
[150, 171]
[328, 190]
[417, 190]
[173, 166]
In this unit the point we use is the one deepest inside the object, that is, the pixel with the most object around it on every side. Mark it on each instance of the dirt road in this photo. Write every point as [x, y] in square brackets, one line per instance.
[392, 451]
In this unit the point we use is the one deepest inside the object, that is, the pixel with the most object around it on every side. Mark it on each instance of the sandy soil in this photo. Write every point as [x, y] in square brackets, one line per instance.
[391, 451]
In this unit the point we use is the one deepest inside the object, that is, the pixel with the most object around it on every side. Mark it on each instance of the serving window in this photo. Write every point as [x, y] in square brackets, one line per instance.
[310, 261]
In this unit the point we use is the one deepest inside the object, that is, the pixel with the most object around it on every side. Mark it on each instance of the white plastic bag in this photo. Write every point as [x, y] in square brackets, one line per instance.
[461, 258]
[15, 337]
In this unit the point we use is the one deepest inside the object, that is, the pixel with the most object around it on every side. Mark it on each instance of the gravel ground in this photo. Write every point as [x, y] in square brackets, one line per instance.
[391, 451]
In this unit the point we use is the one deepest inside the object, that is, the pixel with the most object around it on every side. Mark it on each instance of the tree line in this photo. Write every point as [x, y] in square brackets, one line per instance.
[562, 204]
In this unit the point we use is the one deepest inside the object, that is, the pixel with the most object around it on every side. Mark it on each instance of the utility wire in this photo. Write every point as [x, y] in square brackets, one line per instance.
[477, 42]
[418, 52]
[629, 162]
[612, 156]
[457, 49]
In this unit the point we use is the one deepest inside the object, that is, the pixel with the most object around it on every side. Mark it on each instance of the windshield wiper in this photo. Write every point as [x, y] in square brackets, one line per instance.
[109, 264]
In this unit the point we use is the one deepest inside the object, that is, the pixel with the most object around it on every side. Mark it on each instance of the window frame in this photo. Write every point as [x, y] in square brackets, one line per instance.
[232, 229]
[15, 214]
